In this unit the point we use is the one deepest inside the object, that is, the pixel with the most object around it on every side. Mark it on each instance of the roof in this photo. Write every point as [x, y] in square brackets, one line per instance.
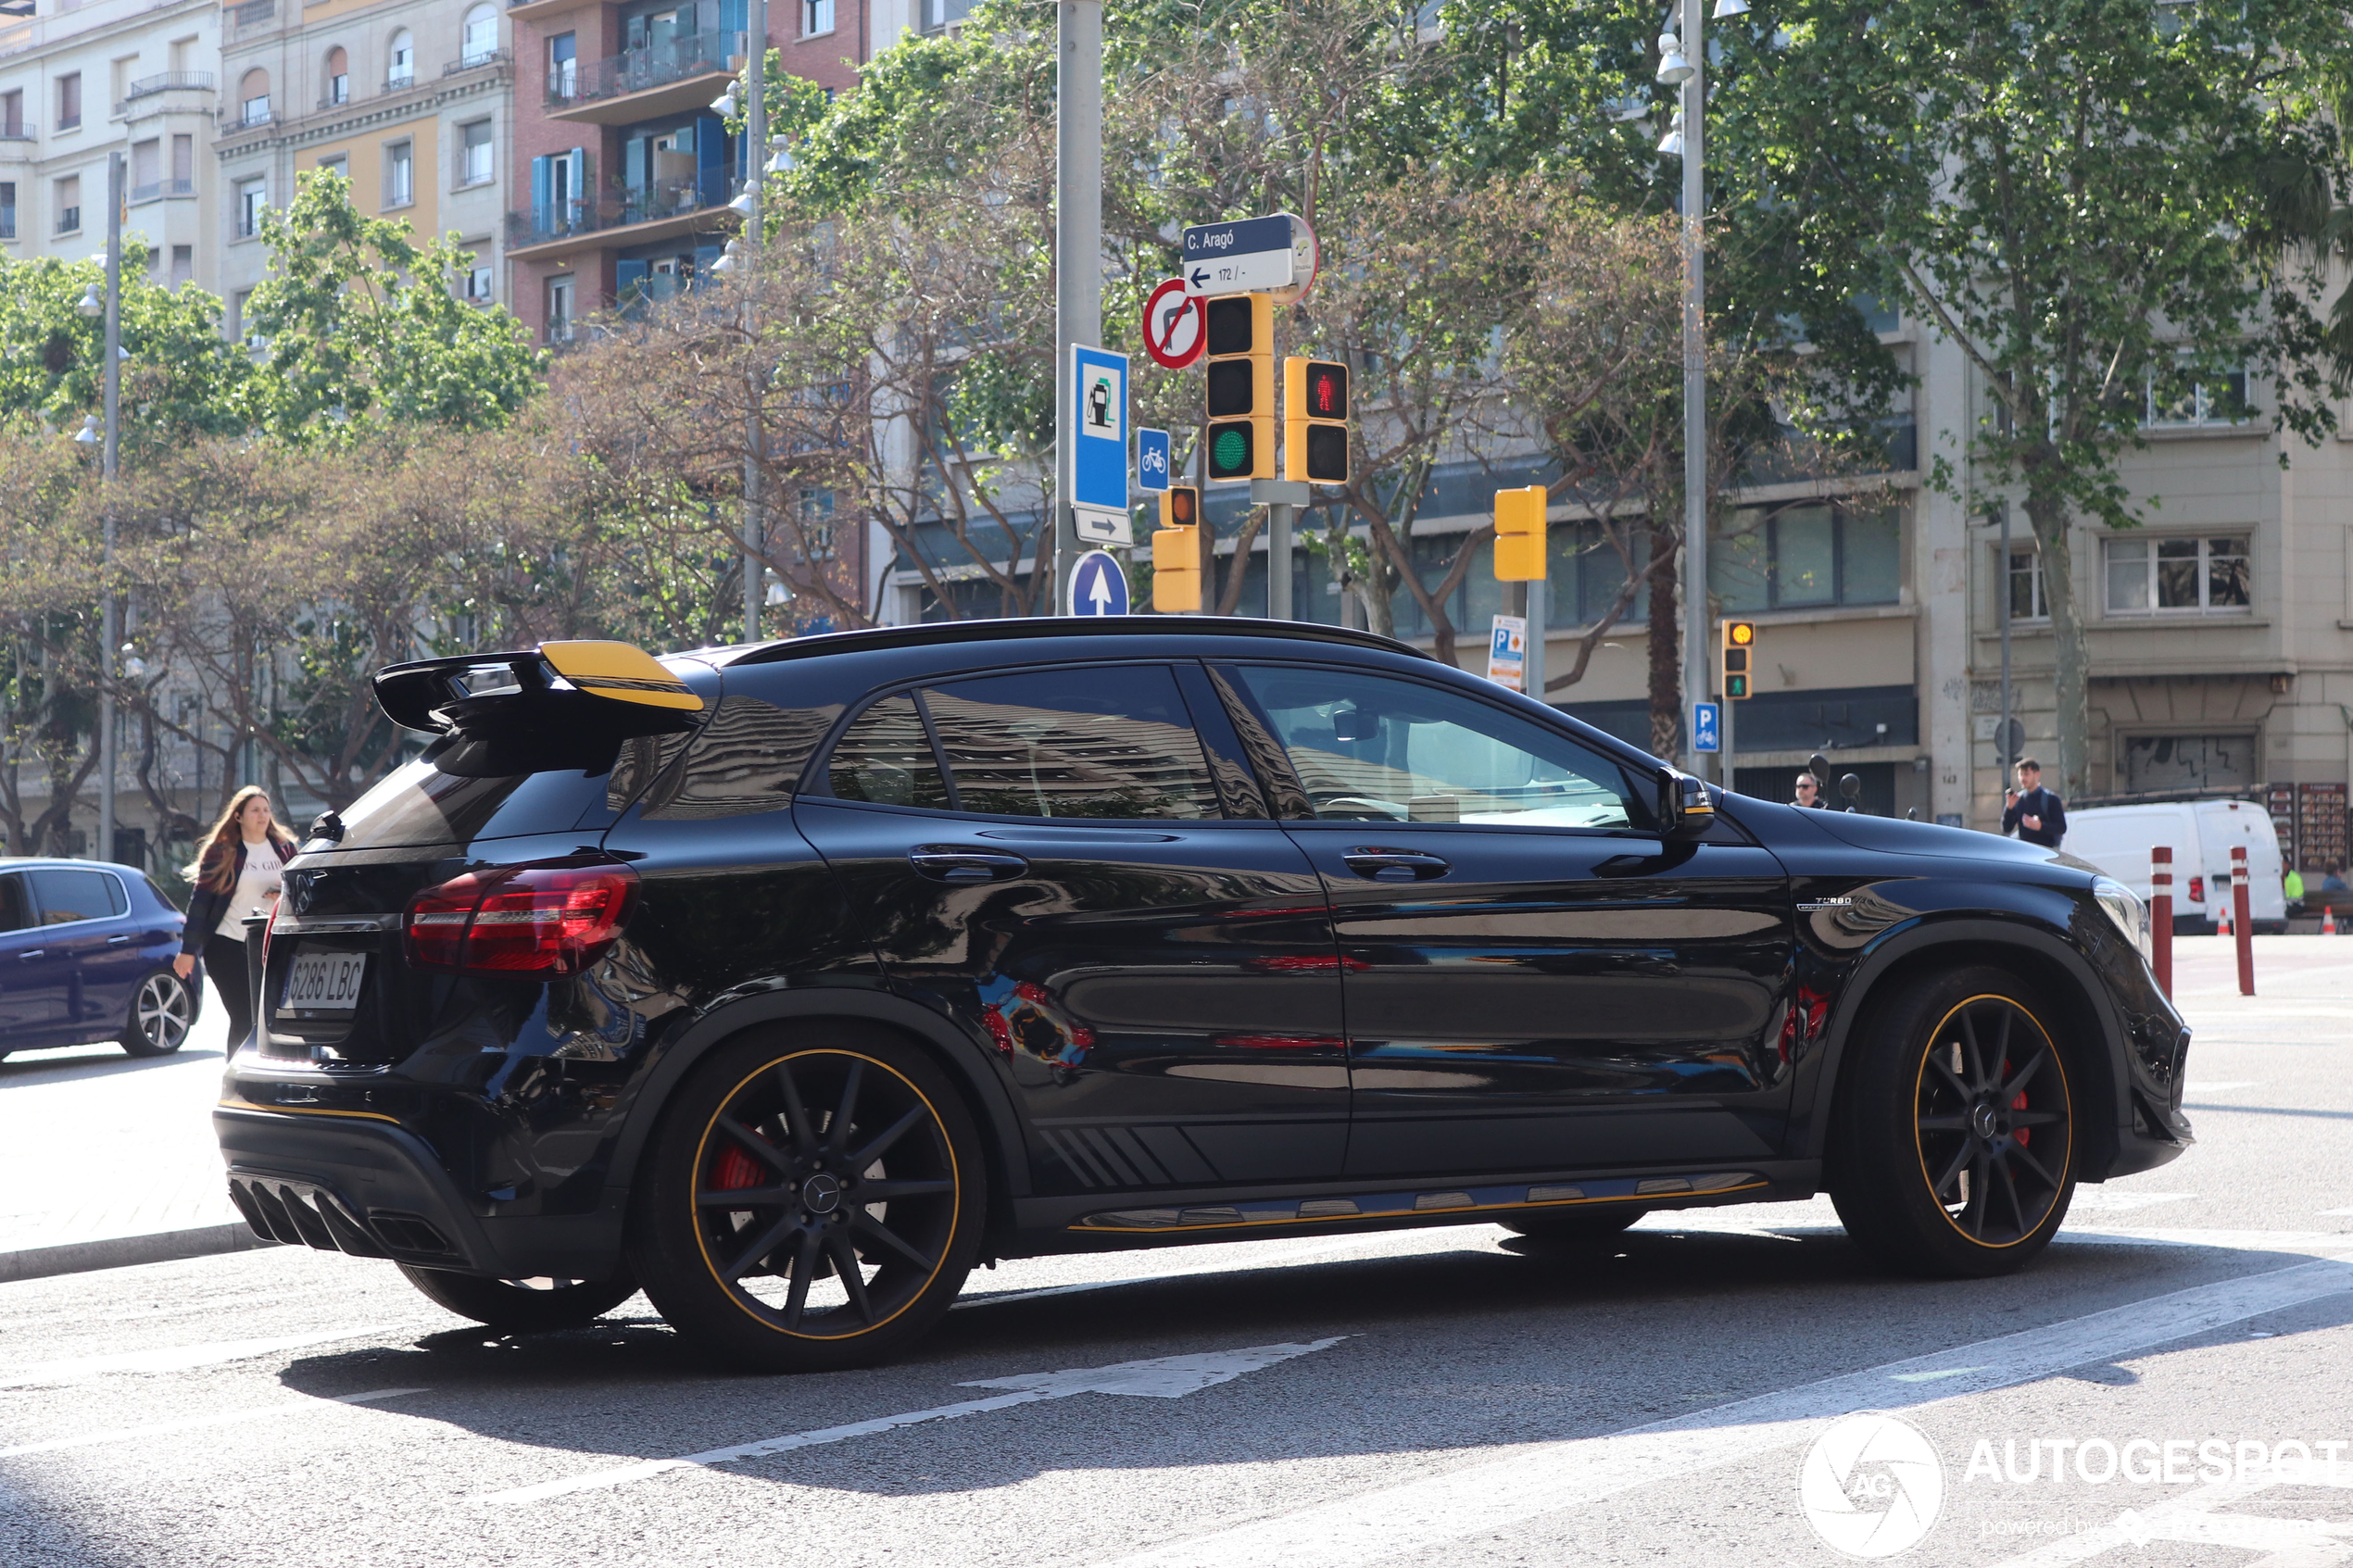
[1013, 630]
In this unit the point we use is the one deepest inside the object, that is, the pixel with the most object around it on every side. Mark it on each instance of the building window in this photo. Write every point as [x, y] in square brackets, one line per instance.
[939, 14]
[237, 303]
[474, 157]
[70, 100]
[816, 525]
[2025, 583]
[563, 65]
[478, 290]
[338, 78]
[183, 165]
[2178, 399]
[404, 61]
[338, 165]
[401, 169]
[1818, 555]
[183, 265]
[8, 210]
[12, 114]
[253, 196]
[2202, 576]
[69, 204]
[478, 40]
[816, 17]
[560, 301]
[146, 170]
[253, 98]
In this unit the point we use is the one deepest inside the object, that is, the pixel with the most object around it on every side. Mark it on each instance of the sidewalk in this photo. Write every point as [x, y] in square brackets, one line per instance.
[107, 1159]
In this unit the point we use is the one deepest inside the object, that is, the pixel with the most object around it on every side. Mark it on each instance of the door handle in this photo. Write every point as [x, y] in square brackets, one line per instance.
[37, 952]
[946, 863]
[1394, 865]
[118, 941]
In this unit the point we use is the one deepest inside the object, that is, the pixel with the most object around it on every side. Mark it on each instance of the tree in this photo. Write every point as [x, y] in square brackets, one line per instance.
[2097, 200]
[358, 325]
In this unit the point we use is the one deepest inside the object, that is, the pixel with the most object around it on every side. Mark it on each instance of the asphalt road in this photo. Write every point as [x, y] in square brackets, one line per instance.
[2183, 1357]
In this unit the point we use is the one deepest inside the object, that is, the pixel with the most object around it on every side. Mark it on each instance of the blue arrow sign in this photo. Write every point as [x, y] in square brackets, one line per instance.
[1151, 459]
[1705, 736]
[1097, 586]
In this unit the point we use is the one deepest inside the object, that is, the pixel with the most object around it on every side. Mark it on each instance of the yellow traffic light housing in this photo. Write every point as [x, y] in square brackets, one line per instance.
[1315, 421]
[1740, 641]
[1176, 563]
[1180, 506]
[1520, 534]
[1239, 387]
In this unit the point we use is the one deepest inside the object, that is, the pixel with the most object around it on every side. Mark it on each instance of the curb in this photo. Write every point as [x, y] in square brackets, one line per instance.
[124, 1251]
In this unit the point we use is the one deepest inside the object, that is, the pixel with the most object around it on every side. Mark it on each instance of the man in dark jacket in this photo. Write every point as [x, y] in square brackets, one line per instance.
[2036, 814]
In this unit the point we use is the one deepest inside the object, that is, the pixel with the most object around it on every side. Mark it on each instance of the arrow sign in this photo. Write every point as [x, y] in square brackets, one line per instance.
[1166, 1377]
[1097, 586]
[1240, 256]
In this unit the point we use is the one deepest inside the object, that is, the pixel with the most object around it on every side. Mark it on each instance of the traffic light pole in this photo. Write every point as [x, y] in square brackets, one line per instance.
[1079, 251]
[1694, 105]
[1724, 730]
[1280, 496]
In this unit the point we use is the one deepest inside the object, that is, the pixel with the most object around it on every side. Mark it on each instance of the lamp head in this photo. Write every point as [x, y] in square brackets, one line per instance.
[1672, 145]
[91, 305]
[1673, 69]
[1727, 9]
[745, 202]
[88, 434]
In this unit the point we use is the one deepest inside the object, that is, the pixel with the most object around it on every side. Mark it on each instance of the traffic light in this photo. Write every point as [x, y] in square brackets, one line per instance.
[1520, 534]
[1180, 506]
[1239, 391]
[1177, 561]
[1739, 640]
[1316, 421]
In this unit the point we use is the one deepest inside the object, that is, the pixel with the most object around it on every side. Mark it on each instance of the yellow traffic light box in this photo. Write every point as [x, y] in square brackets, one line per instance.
[1315, 421]
[1238, 393]
[1180, 506]
[1740, 641]
[1520, 534]
[1177, 561]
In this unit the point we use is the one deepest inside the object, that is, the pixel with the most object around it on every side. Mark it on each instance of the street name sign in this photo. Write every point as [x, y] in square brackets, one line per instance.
[1096, 585]
[1151, 459]
[1099, 460]
[1174, 325]
[1244, 256]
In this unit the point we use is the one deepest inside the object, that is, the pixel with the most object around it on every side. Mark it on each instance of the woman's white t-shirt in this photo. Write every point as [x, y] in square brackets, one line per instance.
[255, 886]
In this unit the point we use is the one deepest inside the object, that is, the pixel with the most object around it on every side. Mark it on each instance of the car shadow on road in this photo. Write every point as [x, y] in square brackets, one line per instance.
[102, 1059]
[1490, 1343]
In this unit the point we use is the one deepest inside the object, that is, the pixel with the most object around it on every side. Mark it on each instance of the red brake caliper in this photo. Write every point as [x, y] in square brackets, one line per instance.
[2023, 1134]
[735, 1169]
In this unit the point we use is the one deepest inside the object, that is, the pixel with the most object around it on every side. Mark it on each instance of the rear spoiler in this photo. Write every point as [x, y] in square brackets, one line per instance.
[617, 688]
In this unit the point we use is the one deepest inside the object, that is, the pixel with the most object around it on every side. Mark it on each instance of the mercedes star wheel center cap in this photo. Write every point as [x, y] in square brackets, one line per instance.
[821, 1193]
[1983, 1122]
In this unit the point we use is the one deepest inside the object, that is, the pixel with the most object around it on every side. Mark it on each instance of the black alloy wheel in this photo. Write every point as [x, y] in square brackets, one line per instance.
[1955, 1142]
[162, 1011]
[1582, 1225]
[815, 1200]
[522, 1305]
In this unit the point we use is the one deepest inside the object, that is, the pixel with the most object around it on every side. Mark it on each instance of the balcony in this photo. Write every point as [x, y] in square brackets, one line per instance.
[163, 189]
[166, 81]
[250, 117]
[621, 218]
[543, 10]
[669, 78]
[19, 130]
[70, 220]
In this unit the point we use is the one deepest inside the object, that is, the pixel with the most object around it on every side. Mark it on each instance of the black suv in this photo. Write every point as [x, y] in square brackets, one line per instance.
[788, 982]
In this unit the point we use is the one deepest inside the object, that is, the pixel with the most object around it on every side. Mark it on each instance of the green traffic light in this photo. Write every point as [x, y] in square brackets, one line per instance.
[1231, 450]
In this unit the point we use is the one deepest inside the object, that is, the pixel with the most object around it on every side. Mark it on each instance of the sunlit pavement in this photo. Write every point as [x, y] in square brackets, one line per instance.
[2182, 1361]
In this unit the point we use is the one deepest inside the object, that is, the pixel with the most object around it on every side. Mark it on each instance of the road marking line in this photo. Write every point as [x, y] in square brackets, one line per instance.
[188, 1423]
[178, 1358]
[1164, 1377]
[1548, 1477]
[1934, 1376]
[2186, 1519]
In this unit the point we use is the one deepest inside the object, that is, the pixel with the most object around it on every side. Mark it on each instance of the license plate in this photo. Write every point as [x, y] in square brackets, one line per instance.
[324, 982]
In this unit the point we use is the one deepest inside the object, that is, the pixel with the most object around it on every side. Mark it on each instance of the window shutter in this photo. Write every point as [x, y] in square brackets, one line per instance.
[581, 204]
[542, 221]
[710, 155]
[629, 284]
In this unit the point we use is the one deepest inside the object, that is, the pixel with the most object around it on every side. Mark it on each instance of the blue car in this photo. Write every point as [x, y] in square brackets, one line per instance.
[85, 955]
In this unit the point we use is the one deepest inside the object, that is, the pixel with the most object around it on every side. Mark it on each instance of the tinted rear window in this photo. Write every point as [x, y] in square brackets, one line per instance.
[423, 804]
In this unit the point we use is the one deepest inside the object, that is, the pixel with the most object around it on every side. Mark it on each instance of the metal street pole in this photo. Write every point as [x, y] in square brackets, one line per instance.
[1078, 250]
[755, 176]
[2002, 599]
[1694, 381]
[1539, 602]
[110, 618]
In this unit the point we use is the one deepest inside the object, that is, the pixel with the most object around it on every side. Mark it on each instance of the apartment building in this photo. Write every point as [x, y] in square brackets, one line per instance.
[409, 100]
[79, 82]
[621, 172]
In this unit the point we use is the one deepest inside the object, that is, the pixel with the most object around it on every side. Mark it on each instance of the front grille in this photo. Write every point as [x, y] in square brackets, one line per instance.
[303, 1215]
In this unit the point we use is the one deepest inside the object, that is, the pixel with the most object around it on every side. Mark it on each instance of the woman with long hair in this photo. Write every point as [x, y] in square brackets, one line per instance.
[235, 875]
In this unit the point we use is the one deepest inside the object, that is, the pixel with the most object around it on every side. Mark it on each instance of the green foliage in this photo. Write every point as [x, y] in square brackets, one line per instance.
[358, 325]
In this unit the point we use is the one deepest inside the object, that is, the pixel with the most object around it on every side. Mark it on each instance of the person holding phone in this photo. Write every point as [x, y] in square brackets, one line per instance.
[2036, 814]
[238, 873]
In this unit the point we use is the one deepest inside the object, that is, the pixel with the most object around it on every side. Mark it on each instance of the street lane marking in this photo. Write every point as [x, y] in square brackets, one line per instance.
[2222, 1086]
[178, 1358]
[1164, 1377]
[190, 1423]
[2188, 1520]
[1545, 1478]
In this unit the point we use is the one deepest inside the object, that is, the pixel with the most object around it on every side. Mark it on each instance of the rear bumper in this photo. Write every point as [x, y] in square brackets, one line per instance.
[365, 1185]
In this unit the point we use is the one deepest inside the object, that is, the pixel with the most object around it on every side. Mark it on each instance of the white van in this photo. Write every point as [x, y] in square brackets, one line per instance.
[2117, 840]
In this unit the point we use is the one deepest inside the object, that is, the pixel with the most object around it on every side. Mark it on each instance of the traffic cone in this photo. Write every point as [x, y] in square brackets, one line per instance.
[2328, 921]
[2222, 923]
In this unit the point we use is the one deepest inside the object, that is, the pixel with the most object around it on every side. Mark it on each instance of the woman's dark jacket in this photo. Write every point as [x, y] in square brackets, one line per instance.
[206, 907]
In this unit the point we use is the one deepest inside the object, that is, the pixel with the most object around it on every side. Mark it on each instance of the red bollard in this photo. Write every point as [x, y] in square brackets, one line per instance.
[2241, 927]
[2162, 916]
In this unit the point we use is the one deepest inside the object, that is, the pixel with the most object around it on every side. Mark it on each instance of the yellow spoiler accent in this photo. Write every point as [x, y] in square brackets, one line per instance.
[620, 671]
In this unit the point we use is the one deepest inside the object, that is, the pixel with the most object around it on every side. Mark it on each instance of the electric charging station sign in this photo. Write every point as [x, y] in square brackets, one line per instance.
[1099, 458]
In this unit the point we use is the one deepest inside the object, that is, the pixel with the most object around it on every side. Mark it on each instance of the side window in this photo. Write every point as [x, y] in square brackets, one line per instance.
[1371, 749]
[68, 895]
[1079, 741]
[885, 760]
[14, 915]
[746, 757]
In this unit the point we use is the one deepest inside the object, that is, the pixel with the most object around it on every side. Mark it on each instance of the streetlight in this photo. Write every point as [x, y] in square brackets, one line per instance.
[754, 87]
[91, 434]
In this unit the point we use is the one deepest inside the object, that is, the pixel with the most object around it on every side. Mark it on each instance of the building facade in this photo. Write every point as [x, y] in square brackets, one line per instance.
[409, 100]
[78, 84]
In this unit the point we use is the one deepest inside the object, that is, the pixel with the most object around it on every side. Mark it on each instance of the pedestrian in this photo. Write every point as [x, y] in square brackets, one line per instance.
[238, 873]
[2293, 887]
[2335, 881]
[1809, 791]
[2036, 814]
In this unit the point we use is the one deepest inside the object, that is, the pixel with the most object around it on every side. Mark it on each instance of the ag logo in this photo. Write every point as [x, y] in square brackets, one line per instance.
[1872, 1485]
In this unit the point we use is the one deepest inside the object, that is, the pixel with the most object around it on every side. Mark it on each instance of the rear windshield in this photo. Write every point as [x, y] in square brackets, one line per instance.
[425, 804]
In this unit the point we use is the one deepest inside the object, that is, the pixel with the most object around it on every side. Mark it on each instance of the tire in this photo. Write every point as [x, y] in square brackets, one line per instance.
[163, 1009]
[1575, 1226]
[862, 1197]
[511, 1306]
[1953, 1136]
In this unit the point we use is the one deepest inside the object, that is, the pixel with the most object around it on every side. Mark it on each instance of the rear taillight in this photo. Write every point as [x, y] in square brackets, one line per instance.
[2198, 890]
[556, 918]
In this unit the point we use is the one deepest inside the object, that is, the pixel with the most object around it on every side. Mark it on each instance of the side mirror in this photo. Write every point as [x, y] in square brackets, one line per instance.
[1685, 809]
[1851, 787]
